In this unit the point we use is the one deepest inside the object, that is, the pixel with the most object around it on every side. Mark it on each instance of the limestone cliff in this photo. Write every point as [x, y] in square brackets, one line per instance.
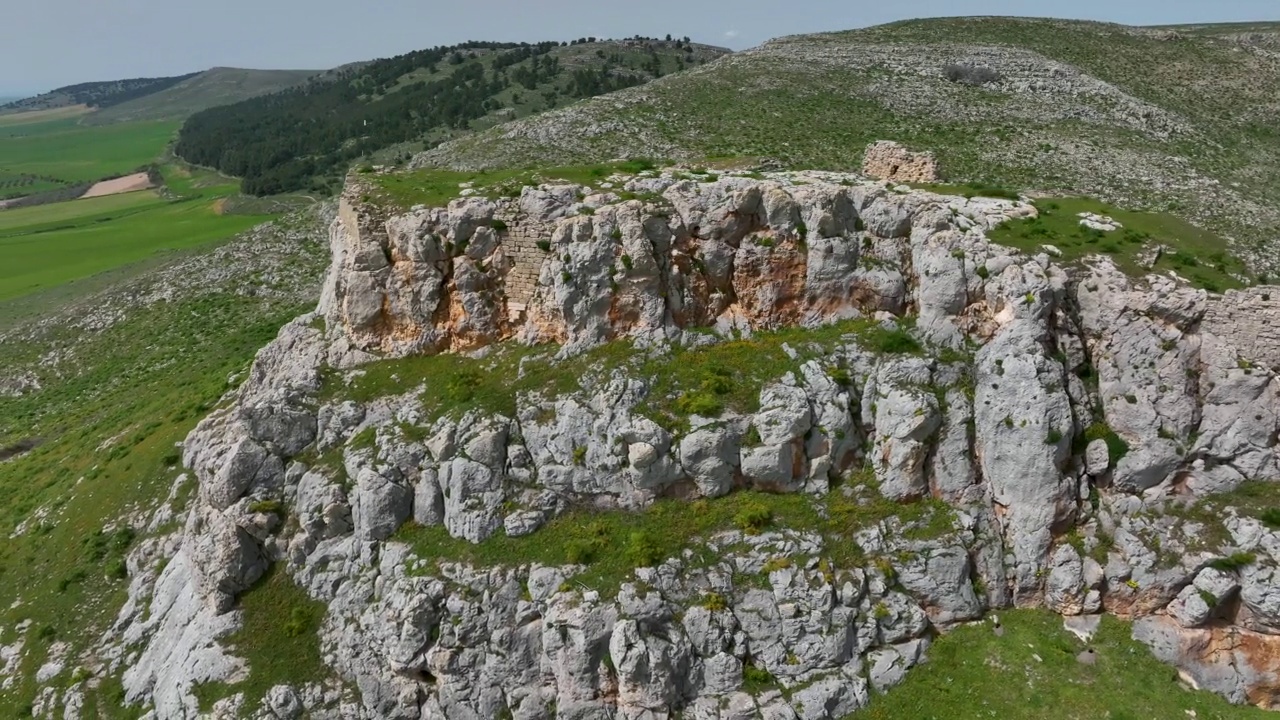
[1062, 419]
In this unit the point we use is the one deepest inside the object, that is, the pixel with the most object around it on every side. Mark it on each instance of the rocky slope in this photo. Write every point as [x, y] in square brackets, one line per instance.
[962, 428]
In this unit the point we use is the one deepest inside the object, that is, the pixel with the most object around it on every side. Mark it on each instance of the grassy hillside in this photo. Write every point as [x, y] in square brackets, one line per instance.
[219, 86]
[93, 94]
[137, 365]
[304, 139]
[1145, 118]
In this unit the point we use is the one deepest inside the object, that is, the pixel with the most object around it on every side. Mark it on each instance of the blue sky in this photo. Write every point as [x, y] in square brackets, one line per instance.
[51, 43]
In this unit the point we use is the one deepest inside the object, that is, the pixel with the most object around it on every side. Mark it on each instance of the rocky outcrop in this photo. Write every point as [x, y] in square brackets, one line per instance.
[1048, 438]
[887, 160]
[739, 252]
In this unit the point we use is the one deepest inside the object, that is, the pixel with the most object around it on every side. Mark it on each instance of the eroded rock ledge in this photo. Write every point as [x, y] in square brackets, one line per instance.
[1070, 419]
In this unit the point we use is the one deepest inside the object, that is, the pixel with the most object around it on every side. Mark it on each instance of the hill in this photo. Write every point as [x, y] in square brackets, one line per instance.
[94, 94]
[1153, 118]
[303, 138]
[218, 86]
[630, 439]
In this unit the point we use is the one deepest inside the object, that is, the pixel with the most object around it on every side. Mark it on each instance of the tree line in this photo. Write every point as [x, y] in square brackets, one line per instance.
[299, 138]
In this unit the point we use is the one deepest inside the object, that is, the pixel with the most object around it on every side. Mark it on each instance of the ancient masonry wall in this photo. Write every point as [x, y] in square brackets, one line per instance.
[887, 160]
[1250, 320]
[520, 241]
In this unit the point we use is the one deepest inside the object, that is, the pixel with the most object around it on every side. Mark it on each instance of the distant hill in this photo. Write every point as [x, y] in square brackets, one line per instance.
[170, 98]
[303, 138]
[94, 94]
[218, 86]
[1174, 119]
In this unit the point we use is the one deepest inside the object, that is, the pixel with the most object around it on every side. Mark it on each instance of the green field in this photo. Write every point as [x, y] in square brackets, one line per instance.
[72, 153]
[50, 246]
[33, 259]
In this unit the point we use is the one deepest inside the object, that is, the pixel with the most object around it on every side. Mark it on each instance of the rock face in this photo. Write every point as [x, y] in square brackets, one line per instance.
[1045, 436]
[739, 252]
[886, 160]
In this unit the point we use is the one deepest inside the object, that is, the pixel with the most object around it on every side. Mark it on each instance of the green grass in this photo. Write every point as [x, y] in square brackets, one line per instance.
[456, 383]
[707, 381]
[43, 218]
[612, 544]
[1201, 257]
[279, 639]
[1031, 673]
[65, 242]
[729, 375]
[968, 190]
[77, 154]
[48, 246]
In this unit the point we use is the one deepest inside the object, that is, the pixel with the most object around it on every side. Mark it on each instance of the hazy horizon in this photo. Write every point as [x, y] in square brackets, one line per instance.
[321, 34]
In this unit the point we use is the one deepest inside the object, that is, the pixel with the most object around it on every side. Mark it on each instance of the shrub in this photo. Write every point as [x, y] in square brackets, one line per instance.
[896, 340]
[498, 225]
[1234, 562]
[1054, 437]
[699, 402]
[266, 507]
[544, 245]
[1116, 446]
[626, 261]
[581, 552]
[300, 622]
[580, 455]
[1271, 518]
[753, 518]
[775, 564]
[970, 74]
[461, 386]
[715, 602]
[642, 551]
[755, 679]
[982, 272]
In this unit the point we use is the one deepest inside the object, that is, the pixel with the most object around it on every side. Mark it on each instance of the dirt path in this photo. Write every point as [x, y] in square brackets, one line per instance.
[129, 183]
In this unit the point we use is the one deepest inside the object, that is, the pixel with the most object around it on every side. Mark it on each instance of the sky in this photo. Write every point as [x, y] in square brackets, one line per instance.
[52, 43]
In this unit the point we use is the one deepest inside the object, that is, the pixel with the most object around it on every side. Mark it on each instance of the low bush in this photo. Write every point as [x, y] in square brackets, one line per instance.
[970, 74]
[753, 518]
[1234, 562]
